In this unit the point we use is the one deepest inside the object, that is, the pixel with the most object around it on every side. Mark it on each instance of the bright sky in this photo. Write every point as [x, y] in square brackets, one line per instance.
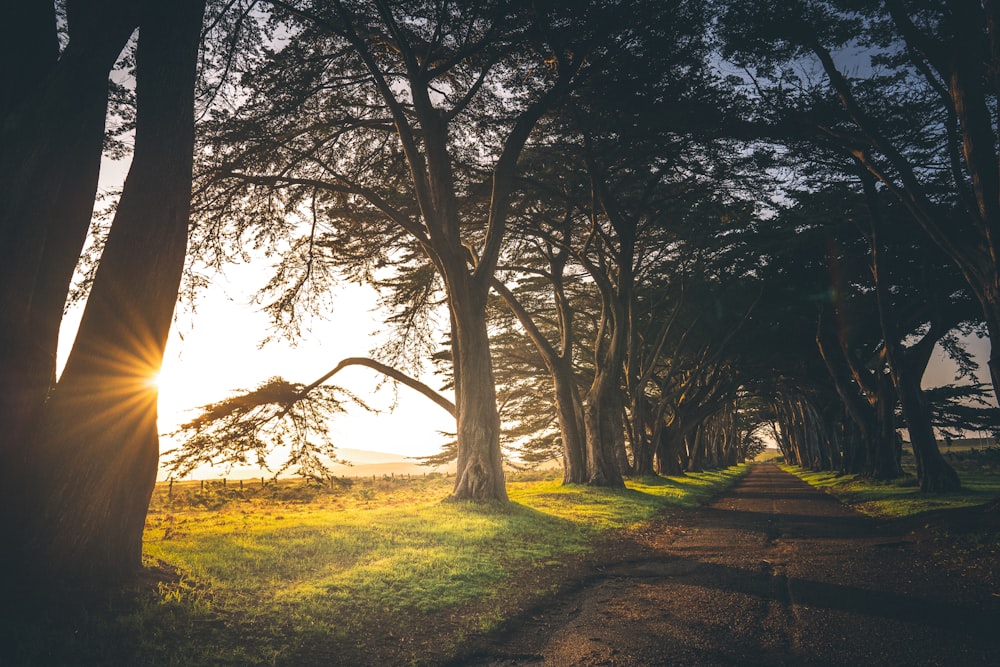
[215, 351]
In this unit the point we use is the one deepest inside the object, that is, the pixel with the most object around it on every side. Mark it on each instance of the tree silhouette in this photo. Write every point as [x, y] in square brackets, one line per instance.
[80, 456]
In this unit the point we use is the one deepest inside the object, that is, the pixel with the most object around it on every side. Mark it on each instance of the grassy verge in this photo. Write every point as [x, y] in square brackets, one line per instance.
[901, 497]
[364, 572]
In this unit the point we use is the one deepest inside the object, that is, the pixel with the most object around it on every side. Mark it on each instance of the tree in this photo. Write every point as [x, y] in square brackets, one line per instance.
[83, 463]
[406, 123]
[53, 126]
[553, 239]
[919, 120]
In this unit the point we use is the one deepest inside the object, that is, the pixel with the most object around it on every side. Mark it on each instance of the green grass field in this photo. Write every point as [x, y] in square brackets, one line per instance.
[978, 468]
[365, 572]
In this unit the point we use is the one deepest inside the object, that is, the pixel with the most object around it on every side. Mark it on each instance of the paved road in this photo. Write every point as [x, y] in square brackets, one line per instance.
[772, 573]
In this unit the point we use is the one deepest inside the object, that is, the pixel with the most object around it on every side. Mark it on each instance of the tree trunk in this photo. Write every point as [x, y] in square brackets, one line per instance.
[97, 445]
[694, 463]
[991, 310]
[617, 418]
[603, 427]
[50, 152]
[571, 429]
[602, 463]
[647, 428]
[669, 445]
[882, 455]
[33, 45]
[933, 472]
[480, 469]
[854, 448]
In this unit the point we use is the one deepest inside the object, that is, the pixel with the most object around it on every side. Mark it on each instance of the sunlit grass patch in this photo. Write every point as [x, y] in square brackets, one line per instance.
[286, 573]
[692, 489]
[309, 564]
[591, 508]
[901, 497]
[641, 500]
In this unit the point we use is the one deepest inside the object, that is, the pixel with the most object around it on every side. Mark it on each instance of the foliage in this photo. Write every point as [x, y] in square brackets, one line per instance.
[249, 427]
[961, 408]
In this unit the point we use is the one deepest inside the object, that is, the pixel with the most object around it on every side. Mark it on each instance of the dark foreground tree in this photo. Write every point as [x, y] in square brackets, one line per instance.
[51, 131]
[81, 471]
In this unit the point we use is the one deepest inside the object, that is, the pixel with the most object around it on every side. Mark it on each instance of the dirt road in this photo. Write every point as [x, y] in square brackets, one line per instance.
[773, 572]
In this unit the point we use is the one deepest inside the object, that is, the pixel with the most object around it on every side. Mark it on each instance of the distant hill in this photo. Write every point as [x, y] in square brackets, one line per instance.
[365, 456]
[365, 464]
[360, 463]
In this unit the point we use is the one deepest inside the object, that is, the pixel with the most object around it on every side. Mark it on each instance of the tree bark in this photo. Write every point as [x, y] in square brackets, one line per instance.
[33, 45]
[97, 444]
[50, 152]
[479, 475]
[882, 449]
[600, 426]
[695, 463]
[571, 429]
[933, 472]
[670, 442]
[643, 446]
[602, 464]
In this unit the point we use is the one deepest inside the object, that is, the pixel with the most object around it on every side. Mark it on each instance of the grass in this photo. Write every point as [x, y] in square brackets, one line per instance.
[768, 455]
[901, 497]
[374, 571]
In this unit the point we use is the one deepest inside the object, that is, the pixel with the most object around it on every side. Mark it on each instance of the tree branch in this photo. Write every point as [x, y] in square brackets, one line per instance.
[388, 371]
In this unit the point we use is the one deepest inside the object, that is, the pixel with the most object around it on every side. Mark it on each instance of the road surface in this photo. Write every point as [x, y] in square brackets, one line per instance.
[773, 572]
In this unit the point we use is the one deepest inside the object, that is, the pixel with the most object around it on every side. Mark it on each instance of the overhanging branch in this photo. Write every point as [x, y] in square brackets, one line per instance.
[388, 371]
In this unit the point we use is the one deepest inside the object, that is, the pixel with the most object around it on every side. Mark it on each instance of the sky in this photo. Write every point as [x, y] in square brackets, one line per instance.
[216, 350]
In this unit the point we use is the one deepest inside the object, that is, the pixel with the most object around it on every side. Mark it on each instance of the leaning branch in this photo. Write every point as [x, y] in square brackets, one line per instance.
[388, 371]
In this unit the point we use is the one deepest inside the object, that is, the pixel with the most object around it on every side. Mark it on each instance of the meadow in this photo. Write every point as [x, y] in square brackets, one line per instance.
[977, 467]
[352, 571]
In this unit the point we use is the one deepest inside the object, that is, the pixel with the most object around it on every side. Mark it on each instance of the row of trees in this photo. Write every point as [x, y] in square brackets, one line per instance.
[567, 160]
[641, 263]
[636, 204]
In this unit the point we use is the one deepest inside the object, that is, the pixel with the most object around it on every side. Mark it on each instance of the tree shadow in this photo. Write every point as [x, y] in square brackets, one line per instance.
[969, 620]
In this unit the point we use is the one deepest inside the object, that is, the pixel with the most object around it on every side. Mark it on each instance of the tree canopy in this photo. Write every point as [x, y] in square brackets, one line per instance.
[677, 258]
